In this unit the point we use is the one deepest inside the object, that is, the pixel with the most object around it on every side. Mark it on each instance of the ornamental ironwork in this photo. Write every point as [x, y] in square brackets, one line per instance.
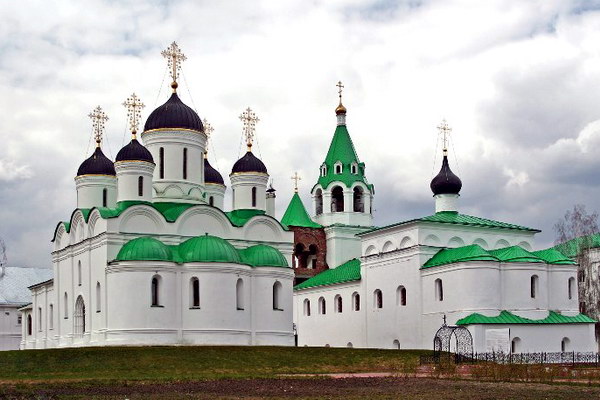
[443, 338]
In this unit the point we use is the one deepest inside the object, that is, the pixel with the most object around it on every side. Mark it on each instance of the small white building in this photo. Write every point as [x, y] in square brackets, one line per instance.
[396, 286]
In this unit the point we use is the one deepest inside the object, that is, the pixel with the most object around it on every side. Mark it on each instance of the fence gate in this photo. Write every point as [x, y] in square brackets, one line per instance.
[443, 338]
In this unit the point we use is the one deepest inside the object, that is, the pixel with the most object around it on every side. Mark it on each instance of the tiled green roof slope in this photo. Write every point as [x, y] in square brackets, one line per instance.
[571, 248]
[205, 248]
[512, 254]
[342, 149]
[240, 217]
[453, 217]
[515, 254]
[296, 215]
[347, 272]
[473, 252]
[506, 317]
[553, 256]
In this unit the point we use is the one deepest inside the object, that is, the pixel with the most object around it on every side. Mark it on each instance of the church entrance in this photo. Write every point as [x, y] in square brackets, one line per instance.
[79, 317]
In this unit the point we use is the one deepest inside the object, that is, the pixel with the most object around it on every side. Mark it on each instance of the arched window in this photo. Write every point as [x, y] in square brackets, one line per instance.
[337, 199]
[565, 344]
[29, 323]
[323, 170]
[239, 294]
[359, 205]
[354, 169]
[51, 316]
[140, 186]
[98, 298]
[356, 301]
[79, 317]
[338, 303]
[534, 286]
[104, 197]
[39, 319]
[571, 288]
[338, 168]
[78, 273]
[66, 305]
[439, 290]
[307, 307]
[349, 345]
[194, 293]
[312, 256]
[401, 296]
[515, 345]
[322, 306]
[161, 162]
[377, 299]
[185, 163]
[277, 301]
[155, 291]
[396, 344]
[319, 202]
[211, 201]
[254, 197]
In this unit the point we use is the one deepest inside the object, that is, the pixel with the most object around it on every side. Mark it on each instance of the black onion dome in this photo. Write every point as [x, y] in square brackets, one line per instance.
[97, 164]
[249, 163]
[134, 151]
[446, 182]
[174, 114]
[211, 175]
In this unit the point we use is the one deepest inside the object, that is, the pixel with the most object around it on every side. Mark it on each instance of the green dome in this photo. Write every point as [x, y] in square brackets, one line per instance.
[208, 249]
[263, 256]
[144, 249]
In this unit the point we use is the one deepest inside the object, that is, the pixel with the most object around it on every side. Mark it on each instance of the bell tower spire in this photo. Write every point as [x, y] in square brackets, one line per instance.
[340, 110]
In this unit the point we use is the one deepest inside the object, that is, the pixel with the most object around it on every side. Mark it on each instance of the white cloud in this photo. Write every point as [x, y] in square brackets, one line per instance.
[9, 171]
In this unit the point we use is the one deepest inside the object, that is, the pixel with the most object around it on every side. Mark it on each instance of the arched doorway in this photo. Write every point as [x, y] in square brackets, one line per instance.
[79, 317]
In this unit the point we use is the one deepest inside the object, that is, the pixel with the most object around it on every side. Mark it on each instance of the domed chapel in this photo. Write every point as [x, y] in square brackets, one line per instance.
[151, 255]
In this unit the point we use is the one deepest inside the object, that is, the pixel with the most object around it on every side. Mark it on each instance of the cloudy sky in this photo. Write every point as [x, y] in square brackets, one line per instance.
[518, 81]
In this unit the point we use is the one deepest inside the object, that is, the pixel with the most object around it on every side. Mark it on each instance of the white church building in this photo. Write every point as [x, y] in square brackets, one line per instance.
[151, 256]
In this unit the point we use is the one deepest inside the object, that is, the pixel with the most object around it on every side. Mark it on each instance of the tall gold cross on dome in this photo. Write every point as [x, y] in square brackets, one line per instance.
[296, 178]
[445, 130]
[249, 119]
[340, 87]
[98, 118]
[208, 130]
[134, 106]
[174, 58]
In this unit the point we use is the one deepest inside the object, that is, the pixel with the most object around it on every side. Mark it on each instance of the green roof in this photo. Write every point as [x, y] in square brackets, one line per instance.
[208, 249]
[263, 256]
[572, 247]
[472, 252]
[453, 217]
[515, 254]
[240, 217]
[506, 317]
[144, 249]
[342, 149]
[347, 272]
[296, 214]
[553, 256]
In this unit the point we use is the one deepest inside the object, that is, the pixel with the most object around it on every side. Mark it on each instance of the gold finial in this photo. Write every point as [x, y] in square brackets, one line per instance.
[174, 58]
[444, 130]
[296, 178]
[208, 130]
[98, 118]
[134, 106]
[340, 108]
[249, 119]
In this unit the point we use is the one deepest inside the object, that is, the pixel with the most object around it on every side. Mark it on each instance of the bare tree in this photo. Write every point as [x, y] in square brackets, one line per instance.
[577, 231]
[3, 257]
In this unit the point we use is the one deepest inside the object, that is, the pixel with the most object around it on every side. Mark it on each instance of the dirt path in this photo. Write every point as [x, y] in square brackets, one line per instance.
[302, 388]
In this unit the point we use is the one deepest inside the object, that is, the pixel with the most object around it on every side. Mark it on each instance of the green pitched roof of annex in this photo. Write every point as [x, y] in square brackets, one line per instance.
[205, 248]
[296, 214]
[347, 272]
[506, 317]
[572, 247]
[515, 254]
[472, 252]
[342, 149]
[453, 217]
[553, 256]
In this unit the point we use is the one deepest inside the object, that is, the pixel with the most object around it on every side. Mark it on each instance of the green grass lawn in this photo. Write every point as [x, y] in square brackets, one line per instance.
[192, 363]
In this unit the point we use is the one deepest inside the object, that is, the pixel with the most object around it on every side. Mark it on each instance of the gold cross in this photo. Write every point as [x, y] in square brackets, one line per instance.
[208, 130]
[249, 119]
[445, 130]
[98, 118]
[296, 178]
[340, 87]
[134, 106]
[174, 58]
